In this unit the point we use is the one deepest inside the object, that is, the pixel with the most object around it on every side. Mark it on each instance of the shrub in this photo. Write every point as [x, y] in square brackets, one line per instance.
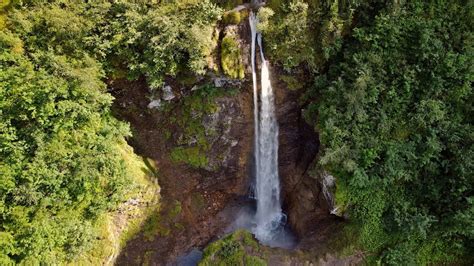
[231, 58]
[232, 18]
[395, 121]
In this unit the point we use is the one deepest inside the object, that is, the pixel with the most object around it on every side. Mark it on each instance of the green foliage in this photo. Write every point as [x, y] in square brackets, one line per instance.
[395, 117]
[234, 249]
[395, 120]
[231, 58]
[292, 82]
[60, 162]
[64, 163]
[341, 200]
[228, 4]
[4, 4]
[264, 15]
[302, 33]
[161, 39]
[232, 18]
[3, 10]
[291, 40]
[347, 240]
[131, 39]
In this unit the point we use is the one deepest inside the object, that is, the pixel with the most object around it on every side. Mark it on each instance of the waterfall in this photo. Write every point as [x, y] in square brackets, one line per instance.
[269, 214]
[253, 29]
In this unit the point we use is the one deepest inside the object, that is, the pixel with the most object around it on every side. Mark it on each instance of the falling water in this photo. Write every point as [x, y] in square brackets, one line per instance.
[253, 28]
[268, 217]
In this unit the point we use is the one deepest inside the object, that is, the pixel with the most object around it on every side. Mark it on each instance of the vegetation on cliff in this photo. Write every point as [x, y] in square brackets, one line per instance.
[193, 145]
[393, 107]
[231, 58]
[303, 33]
[391, 99]
[61, 166]
[395, 119]
[155, 40]
[62, 160]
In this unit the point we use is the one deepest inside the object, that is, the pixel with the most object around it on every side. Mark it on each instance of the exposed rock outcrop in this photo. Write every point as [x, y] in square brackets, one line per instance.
[168, 94]
[194, 197]
[303, 197]
[154, 104]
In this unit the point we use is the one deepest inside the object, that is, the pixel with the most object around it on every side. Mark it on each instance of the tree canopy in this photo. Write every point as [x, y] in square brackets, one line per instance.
[59, 146]
[395, 119]
[391, 99]
[61, 164]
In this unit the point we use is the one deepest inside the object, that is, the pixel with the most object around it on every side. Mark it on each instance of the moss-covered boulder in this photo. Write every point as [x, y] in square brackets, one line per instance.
[239, 248]
[231, 57]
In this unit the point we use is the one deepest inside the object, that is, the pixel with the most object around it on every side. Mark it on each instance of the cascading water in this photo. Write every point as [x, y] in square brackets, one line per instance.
[268, 217]
[253, 29]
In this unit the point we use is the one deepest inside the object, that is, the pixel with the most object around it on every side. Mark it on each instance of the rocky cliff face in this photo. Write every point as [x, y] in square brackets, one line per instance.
[201, 139]
[303, 198]
[193, 195]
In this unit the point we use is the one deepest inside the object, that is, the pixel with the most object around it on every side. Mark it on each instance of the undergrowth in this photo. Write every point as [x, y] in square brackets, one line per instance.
[231, 58]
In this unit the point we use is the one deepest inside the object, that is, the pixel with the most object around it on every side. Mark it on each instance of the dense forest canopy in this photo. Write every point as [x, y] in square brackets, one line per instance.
[392, 101]
[395, 118]
[387, 84]
[60, 149]
[59, 146]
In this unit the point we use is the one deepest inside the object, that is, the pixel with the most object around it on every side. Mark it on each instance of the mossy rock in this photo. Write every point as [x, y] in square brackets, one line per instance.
[193, 145]
[231, 58]
[341, 200]
[193, 156]
[232, 18]
[235, 249]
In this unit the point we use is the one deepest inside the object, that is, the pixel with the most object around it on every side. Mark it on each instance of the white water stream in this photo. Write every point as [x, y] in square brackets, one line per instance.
[269, 215]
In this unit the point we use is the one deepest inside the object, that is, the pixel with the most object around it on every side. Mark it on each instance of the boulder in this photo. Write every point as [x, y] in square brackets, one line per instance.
[155, 104]
[168, 94]
[220, 82]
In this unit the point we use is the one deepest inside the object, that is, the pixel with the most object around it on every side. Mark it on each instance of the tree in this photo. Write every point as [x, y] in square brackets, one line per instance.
[60, 163]
[395, 120]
